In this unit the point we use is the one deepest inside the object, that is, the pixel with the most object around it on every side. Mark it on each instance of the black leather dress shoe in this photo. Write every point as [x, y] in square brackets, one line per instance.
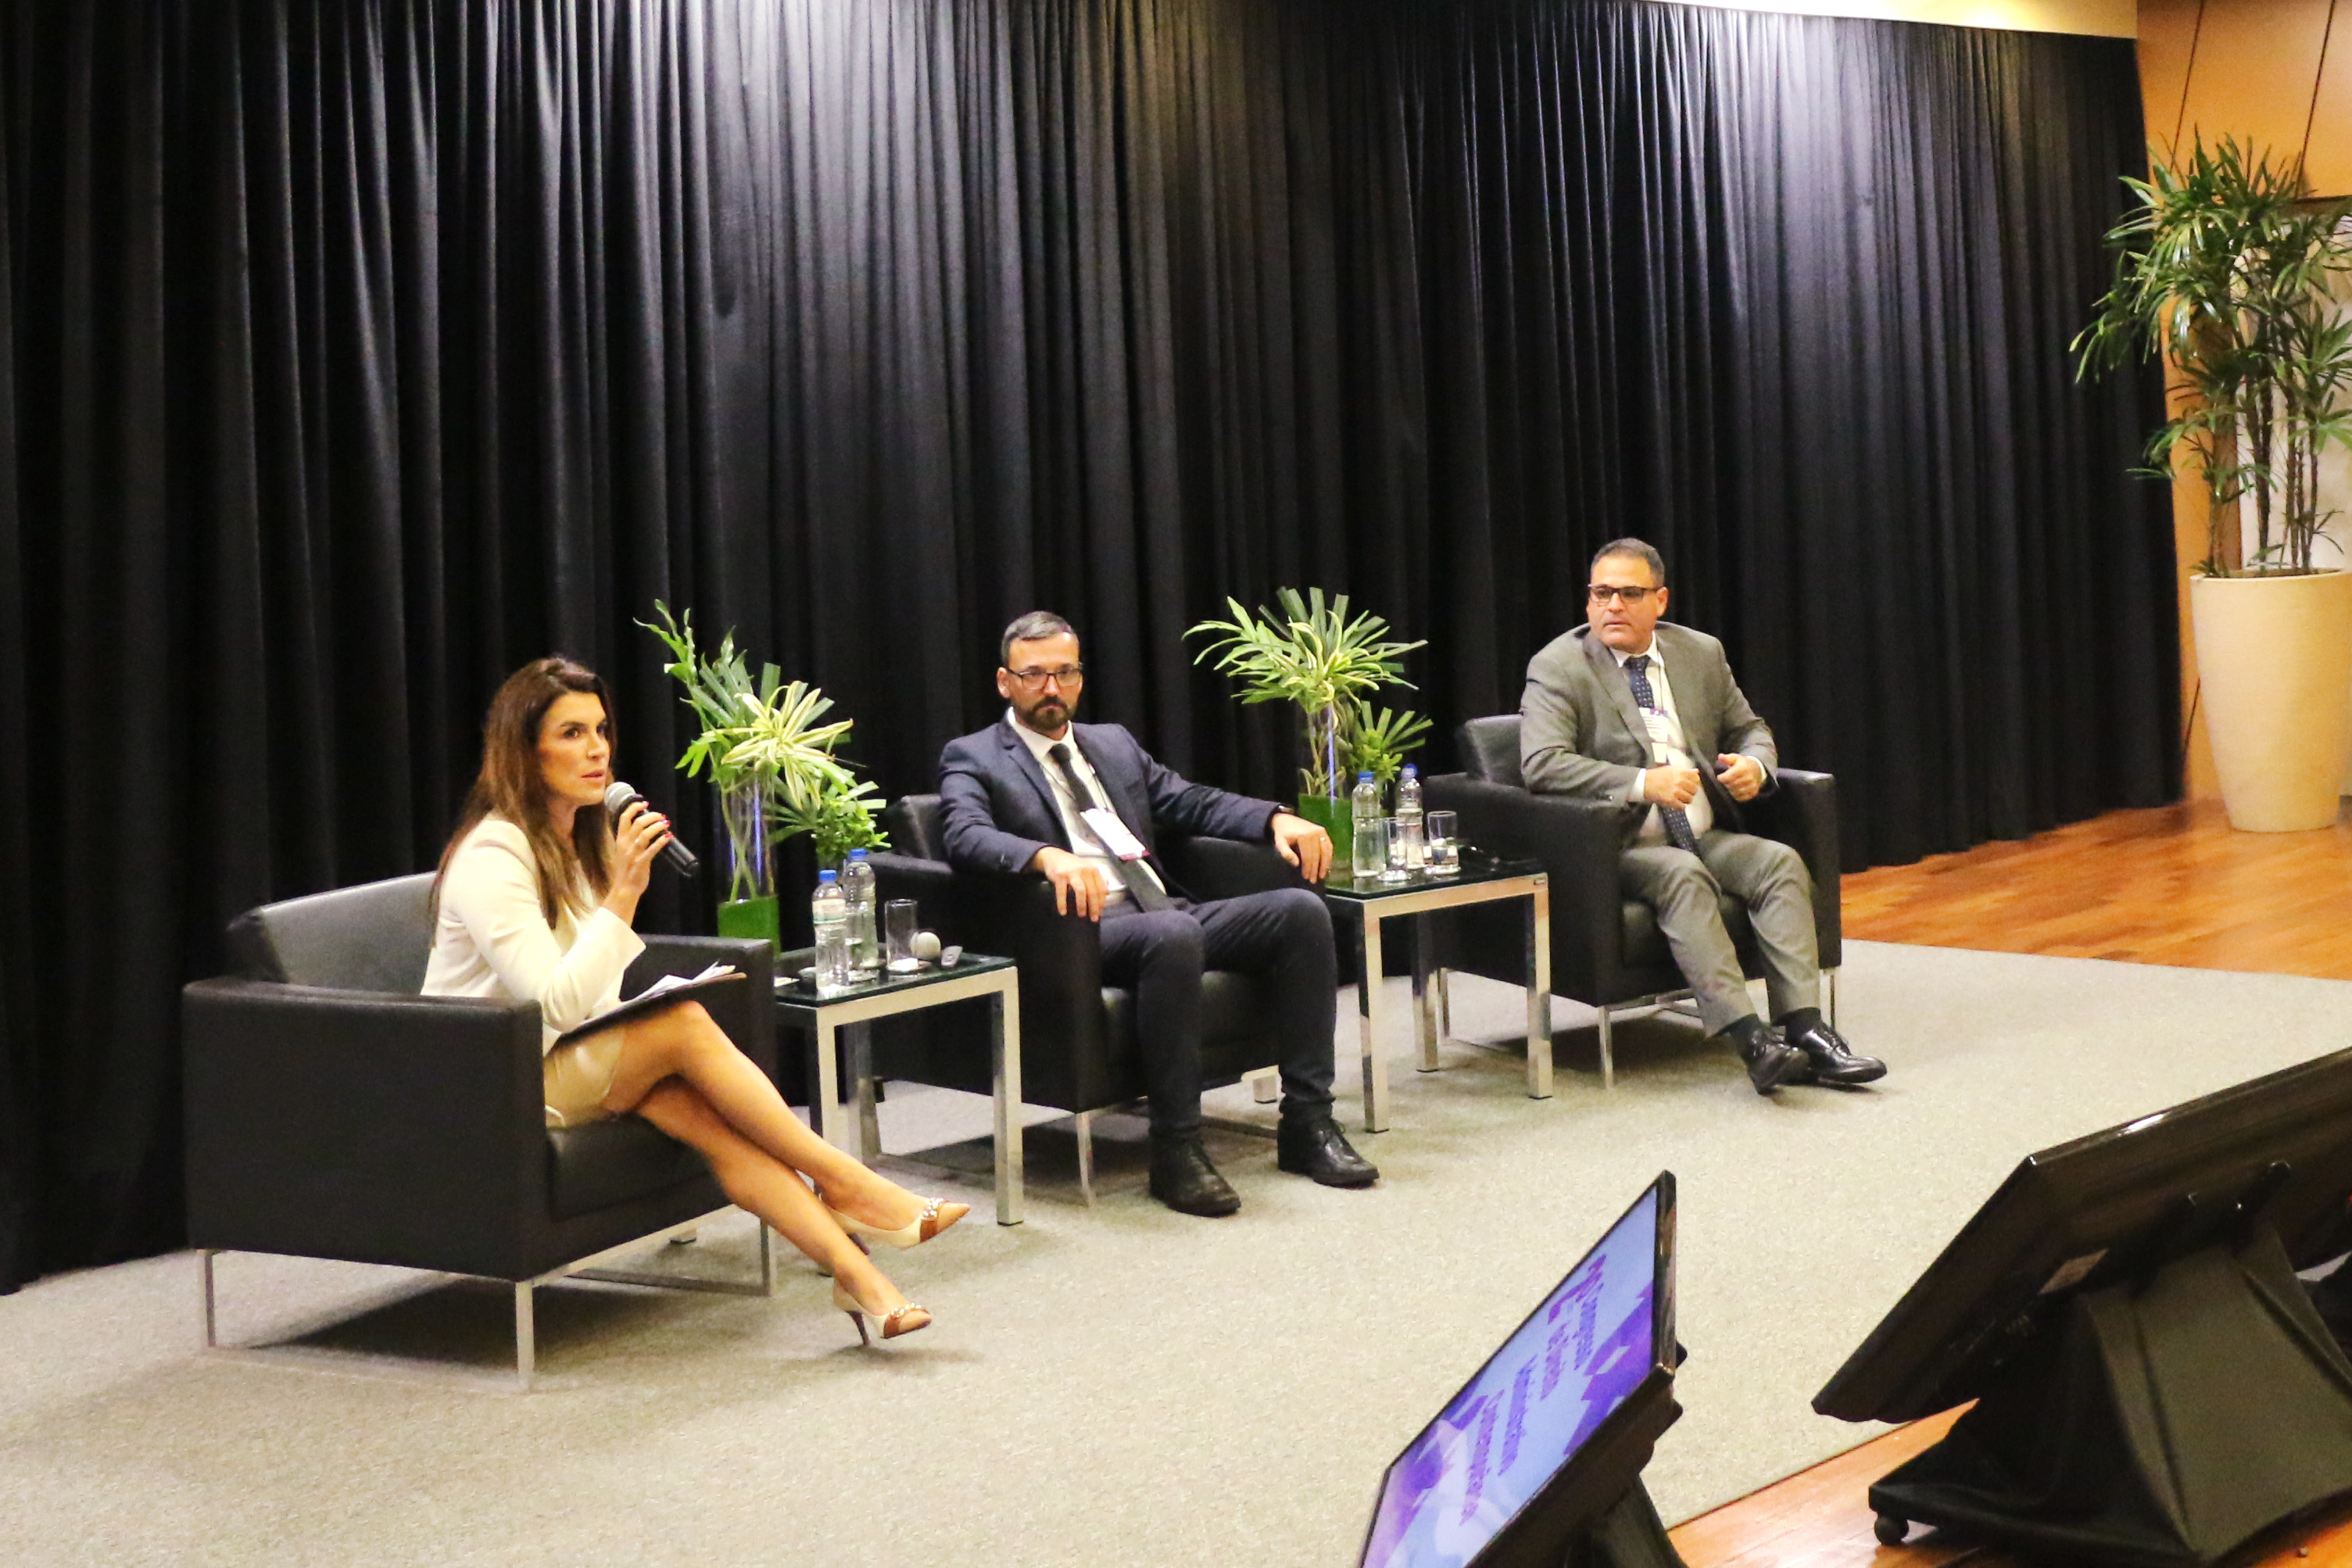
[1771, 1060]
[1829, 1059]
[1319, 1150]
[1183, 1178]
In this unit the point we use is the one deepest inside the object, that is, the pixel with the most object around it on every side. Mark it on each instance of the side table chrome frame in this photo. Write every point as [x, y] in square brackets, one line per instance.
[1420, 902]
[525, 1315]
[855, 1127]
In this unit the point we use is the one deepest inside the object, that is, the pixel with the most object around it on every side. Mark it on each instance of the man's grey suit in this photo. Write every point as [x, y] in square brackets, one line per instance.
[1581, 733]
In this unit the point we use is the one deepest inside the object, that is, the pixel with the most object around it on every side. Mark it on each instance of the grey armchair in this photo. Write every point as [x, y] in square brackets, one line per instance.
[331, 1111]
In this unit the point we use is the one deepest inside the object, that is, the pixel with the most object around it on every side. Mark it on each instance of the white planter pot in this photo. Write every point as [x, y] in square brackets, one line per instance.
[2275, 656]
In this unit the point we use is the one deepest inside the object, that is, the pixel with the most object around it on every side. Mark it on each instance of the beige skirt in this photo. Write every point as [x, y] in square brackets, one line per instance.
[580, 1074]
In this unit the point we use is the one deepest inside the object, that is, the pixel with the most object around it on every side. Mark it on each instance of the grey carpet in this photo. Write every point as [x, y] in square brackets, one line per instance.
[1124, 1386]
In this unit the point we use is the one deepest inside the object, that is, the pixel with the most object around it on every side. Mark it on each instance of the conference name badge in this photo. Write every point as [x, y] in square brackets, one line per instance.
[1112, 832]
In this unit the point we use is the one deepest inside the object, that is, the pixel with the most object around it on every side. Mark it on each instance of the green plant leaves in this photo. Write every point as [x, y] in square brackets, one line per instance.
[769, 734]
[2228, 267]
[1314, 654]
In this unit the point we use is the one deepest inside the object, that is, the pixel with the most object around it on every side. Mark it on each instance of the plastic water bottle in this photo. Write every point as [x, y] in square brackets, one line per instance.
[1408, 817]
[1368, 852]
[829, 913]
[857, 888]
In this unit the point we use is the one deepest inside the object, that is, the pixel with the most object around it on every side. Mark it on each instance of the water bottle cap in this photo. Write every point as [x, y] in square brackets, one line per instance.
[825, 877]
[1410, 772]
[1364, 777]
[857, 854]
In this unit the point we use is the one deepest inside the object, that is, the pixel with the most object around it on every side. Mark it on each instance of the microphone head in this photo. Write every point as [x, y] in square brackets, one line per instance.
[618, 797]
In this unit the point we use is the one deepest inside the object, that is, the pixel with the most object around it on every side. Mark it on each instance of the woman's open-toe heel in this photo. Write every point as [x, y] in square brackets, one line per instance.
[937, 1216]
[892, 1324]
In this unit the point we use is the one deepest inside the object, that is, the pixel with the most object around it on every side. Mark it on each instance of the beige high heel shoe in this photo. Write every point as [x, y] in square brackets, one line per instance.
[892, 1324]
[937, 1216]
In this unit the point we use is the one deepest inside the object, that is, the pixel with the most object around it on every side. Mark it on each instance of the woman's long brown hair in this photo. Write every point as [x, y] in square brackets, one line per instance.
[512, 786]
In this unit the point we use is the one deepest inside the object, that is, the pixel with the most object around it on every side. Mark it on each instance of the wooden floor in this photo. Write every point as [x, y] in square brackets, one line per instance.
[2175, 885]
[1821, 1518]
[2171, 885]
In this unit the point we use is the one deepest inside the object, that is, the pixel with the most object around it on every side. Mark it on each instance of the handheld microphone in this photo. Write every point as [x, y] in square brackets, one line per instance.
[619, 797]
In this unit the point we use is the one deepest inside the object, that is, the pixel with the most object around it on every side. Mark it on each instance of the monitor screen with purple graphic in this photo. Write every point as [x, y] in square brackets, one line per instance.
[1535, 1403]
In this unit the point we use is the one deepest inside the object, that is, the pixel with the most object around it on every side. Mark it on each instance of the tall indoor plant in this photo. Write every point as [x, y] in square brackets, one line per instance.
[1314, 654]
[773, 766]
[2228, 266]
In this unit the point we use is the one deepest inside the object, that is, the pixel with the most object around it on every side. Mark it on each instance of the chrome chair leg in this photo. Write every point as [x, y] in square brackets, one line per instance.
[1608, 1057]
[205, 1256]
[1266, 1084]
[1444, 1005]
[526, 1335]
[1087, 1155]
[1829, 995]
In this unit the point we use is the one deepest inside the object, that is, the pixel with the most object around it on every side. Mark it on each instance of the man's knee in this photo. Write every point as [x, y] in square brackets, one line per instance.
[1301, 914]
[1169, 937]
[1783, 866]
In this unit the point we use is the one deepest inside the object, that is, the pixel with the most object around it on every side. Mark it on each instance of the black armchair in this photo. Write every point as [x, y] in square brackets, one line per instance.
[1079, 1049]
[1606, 949]
[331, 1111]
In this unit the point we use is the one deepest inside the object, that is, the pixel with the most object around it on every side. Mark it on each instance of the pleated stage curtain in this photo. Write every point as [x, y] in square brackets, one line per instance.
[352, 351]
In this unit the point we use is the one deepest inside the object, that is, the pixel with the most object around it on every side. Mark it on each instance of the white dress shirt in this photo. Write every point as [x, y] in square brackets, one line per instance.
[492, 939]
[1082, 842]
[1669, 748]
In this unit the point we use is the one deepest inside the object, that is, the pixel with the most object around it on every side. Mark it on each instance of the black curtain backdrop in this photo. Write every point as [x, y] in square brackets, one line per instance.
[352, 353]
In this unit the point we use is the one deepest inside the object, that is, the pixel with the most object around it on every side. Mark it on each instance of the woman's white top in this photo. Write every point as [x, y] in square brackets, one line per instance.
[491, 938]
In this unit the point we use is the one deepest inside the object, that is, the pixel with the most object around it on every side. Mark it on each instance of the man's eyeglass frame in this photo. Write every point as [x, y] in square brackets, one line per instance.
[1602, 592]
[1035, 679]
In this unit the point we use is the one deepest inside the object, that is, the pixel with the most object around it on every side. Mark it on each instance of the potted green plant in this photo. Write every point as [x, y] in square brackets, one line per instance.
[772, 764]
[2227, 267]
[1313, 653]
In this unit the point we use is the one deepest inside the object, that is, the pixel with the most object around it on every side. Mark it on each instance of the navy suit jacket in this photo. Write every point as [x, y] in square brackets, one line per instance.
[999, 811]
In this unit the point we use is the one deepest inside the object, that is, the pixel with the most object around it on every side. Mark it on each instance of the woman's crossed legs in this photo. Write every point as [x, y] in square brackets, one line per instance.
[679, 1072]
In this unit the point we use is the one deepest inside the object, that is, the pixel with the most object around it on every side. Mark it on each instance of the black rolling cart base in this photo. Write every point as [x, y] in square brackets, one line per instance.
[2163, 1422]
[1630, 1535]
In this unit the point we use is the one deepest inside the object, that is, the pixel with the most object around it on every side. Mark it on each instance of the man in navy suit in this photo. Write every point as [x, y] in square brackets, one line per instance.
[1080, 805]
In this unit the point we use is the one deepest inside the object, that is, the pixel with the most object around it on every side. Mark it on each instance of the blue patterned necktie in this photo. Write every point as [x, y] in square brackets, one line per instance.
[1678, 827]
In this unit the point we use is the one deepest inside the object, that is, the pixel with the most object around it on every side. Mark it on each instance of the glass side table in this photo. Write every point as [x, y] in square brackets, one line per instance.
[847, 1013]
[1483, 877]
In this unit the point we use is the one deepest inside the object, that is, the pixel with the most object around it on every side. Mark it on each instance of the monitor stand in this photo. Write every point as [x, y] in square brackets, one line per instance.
[1629, 1535]
[2161, 1421]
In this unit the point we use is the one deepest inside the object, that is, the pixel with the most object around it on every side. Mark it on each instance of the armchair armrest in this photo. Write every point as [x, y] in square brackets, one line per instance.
[746, 1012]
[1227, 867]
[930, 883]
[377, 1127]
[1577, 840]
[1061, 972]
[1803, 813]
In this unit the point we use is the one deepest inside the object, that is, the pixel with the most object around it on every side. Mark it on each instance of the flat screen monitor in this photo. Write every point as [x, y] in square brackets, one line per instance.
[2274, 1151]
[1557, 1424]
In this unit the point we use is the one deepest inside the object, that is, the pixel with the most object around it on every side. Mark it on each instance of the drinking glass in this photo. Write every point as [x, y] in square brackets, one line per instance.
[1399, 868]
[898, 927]
[1444, 843]
[1371, 848]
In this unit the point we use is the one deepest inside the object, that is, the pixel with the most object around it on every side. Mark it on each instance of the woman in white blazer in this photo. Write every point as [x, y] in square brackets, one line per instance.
[534, 902]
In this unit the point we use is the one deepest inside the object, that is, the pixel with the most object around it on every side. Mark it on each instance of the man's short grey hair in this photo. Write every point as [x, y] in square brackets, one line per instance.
[1641, 550]
[1034, 626]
